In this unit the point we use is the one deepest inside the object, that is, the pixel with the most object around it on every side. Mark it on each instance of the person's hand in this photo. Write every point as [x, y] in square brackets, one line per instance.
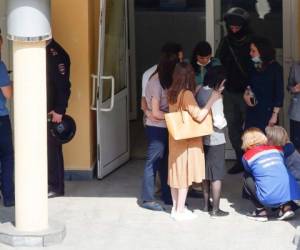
[55, 117]
[247, 98]
[296, 88]
[273, 120]
[215, 95]
[150, 116]
[222, 86]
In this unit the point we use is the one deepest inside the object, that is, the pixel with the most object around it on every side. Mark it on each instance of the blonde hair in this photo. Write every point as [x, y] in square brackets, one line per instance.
[277, 135]
[253, 137]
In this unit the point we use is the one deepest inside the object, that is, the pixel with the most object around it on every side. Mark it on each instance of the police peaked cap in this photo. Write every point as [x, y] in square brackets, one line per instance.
[64, 131]
[236, 16]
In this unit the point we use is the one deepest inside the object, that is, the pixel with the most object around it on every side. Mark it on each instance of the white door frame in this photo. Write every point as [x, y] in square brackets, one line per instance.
[291, 41]
[132, 61]
[213, 22]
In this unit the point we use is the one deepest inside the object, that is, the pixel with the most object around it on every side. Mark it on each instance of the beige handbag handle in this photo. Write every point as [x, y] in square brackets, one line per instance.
[180, 105]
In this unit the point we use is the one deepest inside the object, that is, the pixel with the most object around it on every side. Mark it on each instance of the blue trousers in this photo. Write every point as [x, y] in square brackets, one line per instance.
[6, 159]
[156, 160]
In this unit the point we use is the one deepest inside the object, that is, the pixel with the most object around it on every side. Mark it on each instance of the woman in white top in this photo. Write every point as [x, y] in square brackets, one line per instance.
[156, 131]
[214, 144]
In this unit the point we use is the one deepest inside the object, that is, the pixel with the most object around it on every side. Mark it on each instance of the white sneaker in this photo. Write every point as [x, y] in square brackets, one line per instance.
[185, 215]
[173, 211]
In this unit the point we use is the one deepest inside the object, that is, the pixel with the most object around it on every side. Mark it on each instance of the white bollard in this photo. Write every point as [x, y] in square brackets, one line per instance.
[30, 114]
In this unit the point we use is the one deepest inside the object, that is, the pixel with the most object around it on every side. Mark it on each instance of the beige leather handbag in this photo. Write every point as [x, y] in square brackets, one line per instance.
[181, 125]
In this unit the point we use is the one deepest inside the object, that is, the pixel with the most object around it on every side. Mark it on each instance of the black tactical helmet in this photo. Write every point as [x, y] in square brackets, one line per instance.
[236, 16]
[64, 131]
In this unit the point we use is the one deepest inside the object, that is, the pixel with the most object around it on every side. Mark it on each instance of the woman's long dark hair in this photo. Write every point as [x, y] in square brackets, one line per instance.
[165, 69]
[167, 62]
[183, 79]
[265, 49]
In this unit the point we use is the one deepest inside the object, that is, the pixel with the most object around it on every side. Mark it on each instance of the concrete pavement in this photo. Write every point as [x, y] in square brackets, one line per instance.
[105, 215]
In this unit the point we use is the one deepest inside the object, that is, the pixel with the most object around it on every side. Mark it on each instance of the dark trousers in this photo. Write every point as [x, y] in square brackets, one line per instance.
[55, 166]
[295, 133]
[250, 190]
[235, 110]
[6, 159]
[156, 160]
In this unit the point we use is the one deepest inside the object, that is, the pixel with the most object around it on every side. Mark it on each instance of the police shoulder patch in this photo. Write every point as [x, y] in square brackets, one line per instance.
[53, 52]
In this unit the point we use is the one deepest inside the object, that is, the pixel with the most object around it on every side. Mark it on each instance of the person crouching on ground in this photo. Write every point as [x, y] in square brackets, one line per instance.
[277, 136]
[214, 144]
[186, 157]
[267, 180]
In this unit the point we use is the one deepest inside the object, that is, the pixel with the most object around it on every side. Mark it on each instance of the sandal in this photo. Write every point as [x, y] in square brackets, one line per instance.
[285, 212]
[258, 216]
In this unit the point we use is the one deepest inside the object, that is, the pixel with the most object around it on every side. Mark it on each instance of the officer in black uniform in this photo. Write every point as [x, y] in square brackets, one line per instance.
[58, 93]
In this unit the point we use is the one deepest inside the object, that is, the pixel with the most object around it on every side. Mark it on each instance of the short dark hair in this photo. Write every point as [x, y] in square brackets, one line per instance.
[214, 77]
[265, 48]
[202, 48]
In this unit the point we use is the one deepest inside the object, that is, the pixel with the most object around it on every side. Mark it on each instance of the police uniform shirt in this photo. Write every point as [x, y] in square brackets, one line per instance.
[58, 74]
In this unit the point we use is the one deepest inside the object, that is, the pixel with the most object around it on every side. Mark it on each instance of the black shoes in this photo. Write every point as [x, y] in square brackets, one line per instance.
[209, 208]
[236, 169]
[218, 213]
[52, 194]
[152, 205]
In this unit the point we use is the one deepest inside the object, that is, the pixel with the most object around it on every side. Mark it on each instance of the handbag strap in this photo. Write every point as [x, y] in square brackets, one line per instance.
[235, 59]
[179, 107]
[181, 101]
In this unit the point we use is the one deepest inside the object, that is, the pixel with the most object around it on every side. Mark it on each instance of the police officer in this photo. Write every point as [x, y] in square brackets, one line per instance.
[234, 53]
[58, 93]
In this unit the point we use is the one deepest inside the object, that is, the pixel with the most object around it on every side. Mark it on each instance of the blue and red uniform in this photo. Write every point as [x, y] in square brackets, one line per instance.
[274, 184]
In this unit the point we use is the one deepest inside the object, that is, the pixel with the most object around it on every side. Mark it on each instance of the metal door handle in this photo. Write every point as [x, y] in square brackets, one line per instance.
[94, 92]
[112, 97]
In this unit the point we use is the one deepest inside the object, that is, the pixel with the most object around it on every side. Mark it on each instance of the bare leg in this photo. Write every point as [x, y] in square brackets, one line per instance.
[174, 193]
[206, 194]
[182, 193]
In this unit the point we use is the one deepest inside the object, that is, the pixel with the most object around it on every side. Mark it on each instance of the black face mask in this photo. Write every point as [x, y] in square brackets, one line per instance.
[240, 35]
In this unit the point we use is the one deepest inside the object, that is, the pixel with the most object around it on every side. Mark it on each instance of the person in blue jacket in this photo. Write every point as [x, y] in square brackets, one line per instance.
[265, 92]
[268, 183]
[6, 145]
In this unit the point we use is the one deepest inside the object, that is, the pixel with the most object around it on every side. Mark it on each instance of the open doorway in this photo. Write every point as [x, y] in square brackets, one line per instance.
[149, 25]
[189, 21]
[158, 22]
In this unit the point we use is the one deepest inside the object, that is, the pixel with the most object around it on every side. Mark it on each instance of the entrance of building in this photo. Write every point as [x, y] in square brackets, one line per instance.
[131, 35]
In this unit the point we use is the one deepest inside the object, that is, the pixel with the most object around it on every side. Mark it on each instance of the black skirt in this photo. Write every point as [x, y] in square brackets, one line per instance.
[214, 162]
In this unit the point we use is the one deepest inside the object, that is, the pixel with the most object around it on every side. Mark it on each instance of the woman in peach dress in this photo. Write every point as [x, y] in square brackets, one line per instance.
[186, 157]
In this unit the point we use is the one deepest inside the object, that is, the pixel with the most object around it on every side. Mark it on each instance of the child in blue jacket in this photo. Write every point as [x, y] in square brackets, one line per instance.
[278, 136]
